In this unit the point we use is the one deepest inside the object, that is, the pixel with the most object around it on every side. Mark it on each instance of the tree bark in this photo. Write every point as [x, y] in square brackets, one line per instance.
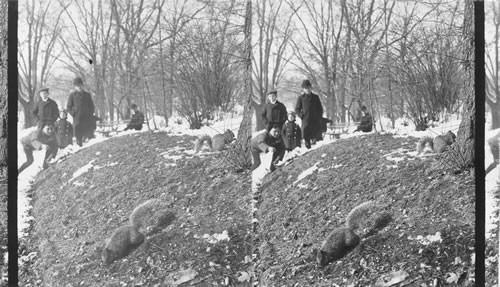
[245, 130]
[465, 134]
[3, 90]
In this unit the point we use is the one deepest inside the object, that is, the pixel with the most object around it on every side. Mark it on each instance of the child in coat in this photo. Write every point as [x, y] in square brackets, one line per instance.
[63, 130]
[35, 140]
[291, 133]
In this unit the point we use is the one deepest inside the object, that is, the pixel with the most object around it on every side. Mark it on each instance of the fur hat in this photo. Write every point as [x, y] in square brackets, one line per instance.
[272, 92]
[306, 84]
[78, 81]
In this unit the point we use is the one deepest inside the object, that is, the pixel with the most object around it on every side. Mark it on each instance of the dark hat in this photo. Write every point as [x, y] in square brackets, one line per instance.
[272, 92]
[78, 81]
[363, 108]
[291, 113]
[133, 106]
[44, 90]
[306, 84]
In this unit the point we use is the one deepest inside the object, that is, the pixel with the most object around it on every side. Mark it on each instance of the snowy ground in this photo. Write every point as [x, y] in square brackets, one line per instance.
[25, 179]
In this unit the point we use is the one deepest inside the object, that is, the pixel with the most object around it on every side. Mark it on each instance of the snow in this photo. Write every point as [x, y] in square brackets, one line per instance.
[178, 126]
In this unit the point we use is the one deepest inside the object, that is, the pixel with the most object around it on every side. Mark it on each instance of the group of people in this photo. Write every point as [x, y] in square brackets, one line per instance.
[55, 132]
[282, 134]
[53, 128]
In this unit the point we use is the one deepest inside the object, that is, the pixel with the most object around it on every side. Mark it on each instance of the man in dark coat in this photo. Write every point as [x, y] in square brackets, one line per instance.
[81, 108]
[310, 111]
[46, 110]
[137, 119]
[274, 112]
[366, 123]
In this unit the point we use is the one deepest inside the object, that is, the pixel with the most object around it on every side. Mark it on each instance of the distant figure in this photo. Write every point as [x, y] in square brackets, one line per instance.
[93, 124]
[35, 140]
[310, 111]
[366, 123]
[324, 125]
[291, 133]
[137, 119]
[274, 112]
[81, 108]
[495, 149]
[63, 130]
[267, 141]
[46, 110]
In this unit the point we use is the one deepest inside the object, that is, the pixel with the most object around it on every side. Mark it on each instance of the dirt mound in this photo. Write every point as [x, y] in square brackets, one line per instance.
[79, 202]
[425, 201]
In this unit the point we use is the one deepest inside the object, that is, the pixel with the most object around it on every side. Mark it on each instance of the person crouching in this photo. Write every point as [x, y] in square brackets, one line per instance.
[264, 142]
[35, 140]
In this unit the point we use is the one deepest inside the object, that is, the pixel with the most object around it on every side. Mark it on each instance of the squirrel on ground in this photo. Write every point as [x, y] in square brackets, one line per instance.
[217, 143]
[147, 218]
[438, 144]
[364, 220]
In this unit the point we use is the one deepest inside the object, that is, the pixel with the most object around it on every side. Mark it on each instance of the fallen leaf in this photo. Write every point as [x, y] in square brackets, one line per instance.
[451, 278]
[180, 277]
[390, 279]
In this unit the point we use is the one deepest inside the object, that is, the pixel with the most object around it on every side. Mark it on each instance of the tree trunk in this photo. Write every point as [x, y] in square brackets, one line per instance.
[245, 131]
[465, 135]
[3, 91]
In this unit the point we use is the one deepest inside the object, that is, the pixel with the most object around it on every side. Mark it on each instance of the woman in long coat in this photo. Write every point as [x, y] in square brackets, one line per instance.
[310, 111]
[81, 108]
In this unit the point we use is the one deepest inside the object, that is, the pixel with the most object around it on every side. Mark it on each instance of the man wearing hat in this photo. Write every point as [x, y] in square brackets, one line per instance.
[46, 110]
[310, 111]
[81, 107]
[274, 112]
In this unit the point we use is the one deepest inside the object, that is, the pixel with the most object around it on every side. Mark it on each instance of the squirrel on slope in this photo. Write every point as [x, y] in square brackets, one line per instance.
[438, 145]
[146, 219]
[363, 220]
[217, 143]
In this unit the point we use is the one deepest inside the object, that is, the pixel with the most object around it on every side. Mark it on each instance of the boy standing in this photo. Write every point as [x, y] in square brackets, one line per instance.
[274, 112]
[63, 130]
[46, 110]
[292, 135]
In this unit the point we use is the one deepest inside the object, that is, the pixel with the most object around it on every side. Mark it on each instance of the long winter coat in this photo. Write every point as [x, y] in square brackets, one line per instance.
[64, 133]
[292, 135]
[310, 111]
[274, 114]
[81, 108]
[46, 111]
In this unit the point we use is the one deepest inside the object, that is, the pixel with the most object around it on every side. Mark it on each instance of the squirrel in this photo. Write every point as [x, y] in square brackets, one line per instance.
[217, 143]
[363, 220]
[146, 219]
[438, 145]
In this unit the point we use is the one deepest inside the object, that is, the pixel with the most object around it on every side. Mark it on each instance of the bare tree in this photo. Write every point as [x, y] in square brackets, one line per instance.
[270, 57]
[465, 135]
[88, 49]
[37, 53]
[322, 28]
[493, 67]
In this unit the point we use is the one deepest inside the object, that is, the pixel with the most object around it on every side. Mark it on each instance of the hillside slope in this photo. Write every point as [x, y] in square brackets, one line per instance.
[79, 202]
[423, 198]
